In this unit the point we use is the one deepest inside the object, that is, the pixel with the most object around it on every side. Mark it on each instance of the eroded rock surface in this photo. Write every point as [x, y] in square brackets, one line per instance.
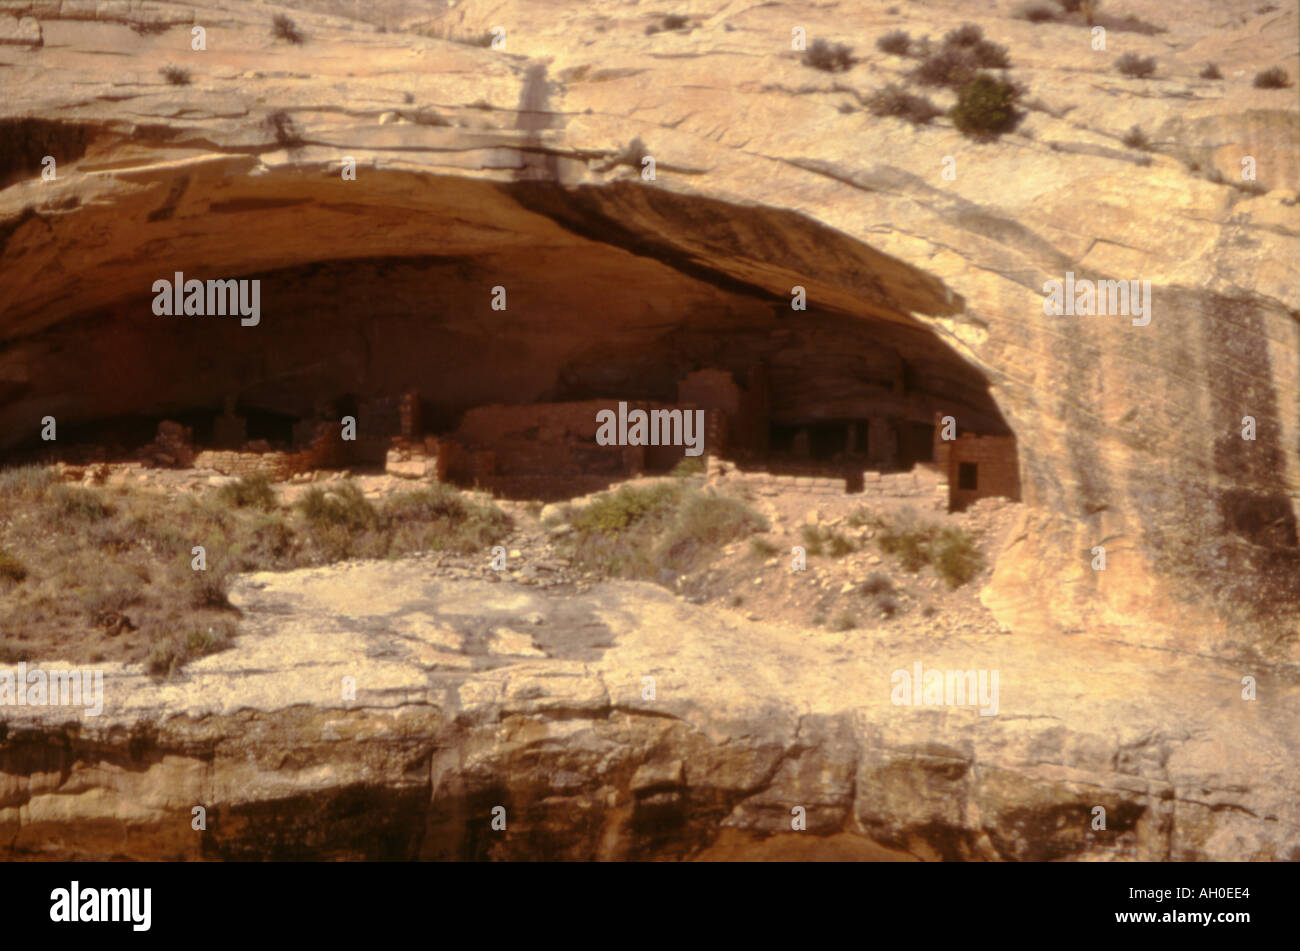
[471, 695]
[481, 166]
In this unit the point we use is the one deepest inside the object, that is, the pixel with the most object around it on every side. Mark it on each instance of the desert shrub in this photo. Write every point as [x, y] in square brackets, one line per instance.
[705, 523]
[1138, 67]
[818, 541]
[441, 518]
[79, 503]
[956, 558]
[203, 589]
[1275, 78]
[170, 652]
[1211, 71]
[845, 621]
[985, 106]
[653, 532]
[1036, 13]
[898, 42]
[1135, 138]
[675, 21]
[26, 483]
[990, 55]
[949, 66]
[283, 28]
[11, 568]
[339, 522]
[762, 548]
[832, 59]
[877, 583]
[911, 547]
[612, 513]
[966, 35]
[176, 75]
[895, 101]
[888, 605]
[253, 491]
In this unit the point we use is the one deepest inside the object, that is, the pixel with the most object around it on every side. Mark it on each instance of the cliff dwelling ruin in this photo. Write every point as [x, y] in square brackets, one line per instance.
[439, 381]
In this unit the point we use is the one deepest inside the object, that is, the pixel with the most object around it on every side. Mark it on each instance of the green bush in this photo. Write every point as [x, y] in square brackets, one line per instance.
[645, 532]
[612, 513]
[249, 492]
[704, 523]
[441, 518]
[985, 106]
[818, 540]
[956, 559]
[343, 506]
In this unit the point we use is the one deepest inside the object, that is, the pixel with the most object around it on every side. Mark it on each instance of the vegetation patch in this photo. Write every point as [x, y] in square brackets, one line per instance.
[283, 28]
[900, 104]
[986, 107]
[1138, 67]
[1135, 138]
[819, 540]
[950, 550]
[831, 59]
[898, 42]
[176, 75]
[1275, 78]
[116, 568]
[656, 532]
[963, 53]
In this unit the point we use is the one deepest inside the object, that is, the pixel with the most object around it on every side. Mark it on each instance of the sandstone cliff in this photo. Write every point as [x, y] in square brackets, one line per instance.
[478, 166]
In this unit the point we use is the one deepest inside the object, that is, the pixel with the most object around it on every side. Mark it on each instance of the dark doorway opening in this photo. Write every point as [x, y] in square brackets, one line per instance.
[968, 475]
[275, 428]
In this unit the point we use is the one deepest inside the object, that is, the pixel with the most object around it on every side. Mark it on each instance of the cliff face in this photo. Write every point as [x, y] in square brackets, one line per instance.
[520, 167]
[622, 723]
[478, 167]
